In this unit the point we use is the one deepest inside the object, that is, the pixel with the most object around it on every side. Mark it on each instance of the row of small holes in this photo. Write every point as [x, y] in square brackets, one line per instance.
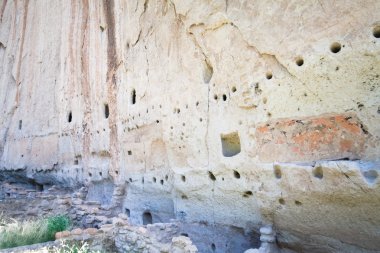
[106, 107]
[336, 46]
[296, 202]
[224, 96]
[317, 172]
[90, 174]
[213, 178]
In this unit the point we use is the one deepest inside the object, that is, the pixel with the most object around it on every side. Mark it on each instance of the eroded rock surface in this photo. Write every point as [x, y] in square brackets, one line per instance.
[224, 115]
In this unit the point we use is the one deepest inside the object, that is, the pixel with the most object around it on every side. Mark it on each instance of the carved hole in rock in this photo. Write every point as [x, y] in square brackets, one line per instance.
[213, 247]
[183, 196]
[281, 201]
[147, 218]
[216, 97]
[298, 203]
[269, 75]
[183, 178]
[318, 172]
[100, 173]
[39, 187]
[370, 176]
[224, 97]
[299, 61]
[19, 124]
[230, 144]
[129, 152]
[211, 176]
[162, 182]
[70, 117]
[184, 234]
[236, 174]
[376, 31]
[233, 89]
[247, 194]
[133, 97]
[277, 171]
[154, 179]
[207, 72]
[128, 212]
[90, 174]
[335, 47]
[130, 180]
[106, 111]
[76, 162]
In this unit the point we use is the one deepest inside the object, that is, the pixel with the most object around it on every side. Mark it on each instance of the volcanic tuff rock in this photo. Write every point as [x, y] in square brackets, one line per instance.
[225, 115]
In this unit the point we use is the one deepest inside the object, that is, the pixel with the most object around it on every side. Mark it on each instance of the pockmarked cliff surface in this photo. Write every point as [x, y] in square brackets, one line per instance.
[225, 115]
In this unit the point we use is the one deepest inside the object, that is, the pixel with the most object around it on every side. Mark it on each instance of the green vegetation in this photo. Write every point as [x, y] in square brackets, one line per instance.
[73, 248]
[14, 233]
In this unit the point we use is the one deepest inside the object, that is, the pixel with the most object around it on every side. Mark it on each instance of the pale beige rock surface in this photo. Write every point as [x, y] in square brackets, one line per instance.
[199, 111]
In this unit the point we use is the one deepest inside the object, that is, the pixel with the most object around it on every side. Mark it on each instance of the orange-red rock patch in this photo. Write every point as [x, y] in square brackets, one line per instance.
[308, 139]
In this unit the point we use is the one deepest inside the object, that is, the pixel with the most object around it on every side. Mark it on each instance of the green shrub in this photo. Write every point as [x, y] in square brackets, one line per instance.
[57, 224]
[15, 233]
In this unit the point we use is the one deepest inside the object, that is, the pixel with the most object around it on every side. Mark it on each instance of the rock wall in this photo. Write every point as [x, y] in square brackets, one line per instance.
[226, 113]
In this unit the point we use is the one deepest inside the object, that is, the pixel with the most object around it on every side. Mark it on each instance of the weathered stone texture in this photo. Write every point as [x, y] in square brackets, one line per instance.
[331, 137]
[210, 112]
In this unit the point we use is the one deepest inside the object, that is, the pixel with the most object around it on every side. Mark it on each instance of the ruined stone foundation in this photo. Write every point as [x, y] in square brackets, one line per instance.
[208, 119]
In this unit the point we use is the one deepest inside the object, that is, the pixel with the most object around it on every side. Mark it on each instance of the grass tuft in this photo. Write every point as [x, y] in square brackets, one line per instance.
[14, 233]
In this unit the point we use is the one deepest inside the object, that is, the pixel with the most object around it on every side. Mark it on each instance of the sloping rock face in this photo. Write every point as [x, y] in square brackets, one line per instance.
[226, 115]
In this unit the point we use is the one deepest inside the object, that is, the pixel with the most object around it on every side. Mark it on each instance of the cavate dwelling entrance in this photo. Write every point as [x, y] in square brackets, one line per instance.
[147, 218]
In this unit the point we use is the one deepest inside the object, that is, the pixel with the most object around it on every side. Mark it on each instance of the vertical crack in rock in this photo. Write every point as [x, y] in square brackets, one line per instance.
[209, 66]
[111, 83]
[17, 75]
[84, 61]
[72, 63]
[25, 17]
[2, 9]
[140, 25]
[138, 39]
[208, 72]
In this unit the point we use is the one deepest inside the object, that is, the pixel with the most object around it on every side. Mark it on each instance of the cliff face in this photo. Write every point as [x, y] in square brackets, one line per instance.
[227, 113]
